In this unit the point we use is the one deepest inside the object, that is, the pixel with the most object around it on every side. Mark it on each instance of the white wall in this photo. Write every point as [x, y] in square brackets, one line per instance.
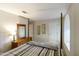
[52, 30]
[74, 29]
[7, 27]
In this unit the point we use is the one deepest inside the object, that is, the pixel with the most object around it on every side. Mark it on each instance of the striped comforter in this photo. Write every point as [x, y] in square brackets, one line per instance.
[31, 50]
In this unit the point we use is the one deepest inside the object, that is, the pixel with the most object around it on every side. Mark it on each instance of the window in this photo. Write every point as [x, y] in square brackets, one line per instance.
[43, 28]
[38, 29]
[67, 31]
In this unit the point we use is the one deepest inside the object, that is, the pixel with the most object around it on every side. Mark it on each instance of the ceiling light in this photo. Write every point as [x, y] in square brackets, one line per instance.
[24, 12]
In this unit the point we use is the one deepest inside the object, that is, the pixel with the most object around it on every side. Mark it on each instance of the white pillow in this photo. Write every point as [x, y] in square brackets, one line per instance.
[50, 45]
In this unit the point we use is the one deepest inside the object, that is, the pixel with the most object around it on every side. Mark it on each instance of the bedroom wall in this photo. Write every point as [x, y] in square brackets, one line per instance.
[74, 14]
[7, 28]
[70, 12]
[74, 30]
[52, 31]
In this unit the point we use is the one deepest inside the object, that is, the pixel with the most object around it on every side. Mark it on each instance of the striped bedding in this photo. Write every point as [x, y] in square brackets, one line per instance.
[31, 50]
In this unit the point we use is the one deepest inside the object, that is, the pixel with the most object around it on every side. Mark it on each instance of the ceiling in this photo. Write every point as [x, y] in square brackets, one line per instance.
[36, 11]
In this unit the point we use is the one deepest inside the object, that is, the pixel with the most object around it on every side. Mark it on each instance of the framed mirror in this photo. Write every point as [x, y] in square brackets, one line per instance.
[21, 31]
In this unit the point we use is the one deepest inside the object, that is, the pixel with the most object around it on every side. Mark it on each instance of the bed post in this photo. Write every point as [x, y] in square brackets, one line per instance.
[61, 35]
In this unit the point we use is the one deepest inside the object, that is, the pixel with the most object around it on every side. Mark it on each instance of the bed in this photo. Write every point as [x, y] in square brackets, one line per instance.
[31, 50]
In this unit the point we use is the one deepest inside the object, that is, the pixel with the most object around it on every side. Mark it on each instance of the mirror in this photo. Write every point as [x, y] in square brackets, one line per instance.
[21, 31]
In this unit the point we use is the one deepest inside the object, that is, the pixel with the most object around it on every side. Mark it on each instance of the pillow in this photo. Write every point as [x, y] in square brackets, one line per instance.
[50, 45]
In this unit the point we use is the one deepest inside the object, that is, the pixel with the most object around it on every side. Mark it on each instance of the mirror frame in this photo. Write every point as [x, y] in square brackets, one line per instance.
[21, 25]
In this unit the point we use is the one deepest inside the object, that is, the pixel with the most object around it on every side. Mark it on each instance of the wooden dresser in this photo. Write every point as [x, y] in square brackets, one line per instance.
[19, 42]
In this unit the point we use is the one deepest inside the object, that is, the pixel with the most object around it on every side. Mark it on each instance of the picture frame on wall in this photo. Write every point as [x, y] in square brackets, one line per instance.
[43, 28]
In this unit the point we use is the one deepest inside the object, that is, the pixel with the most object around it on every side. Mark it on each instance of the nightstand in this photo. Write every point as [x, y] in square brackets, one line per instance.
[19, 42]
[14, 45]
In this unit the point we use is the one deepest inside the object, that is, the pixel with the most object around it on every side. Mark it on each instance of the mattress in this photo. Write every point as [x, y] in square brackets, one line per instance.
[31, 50]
